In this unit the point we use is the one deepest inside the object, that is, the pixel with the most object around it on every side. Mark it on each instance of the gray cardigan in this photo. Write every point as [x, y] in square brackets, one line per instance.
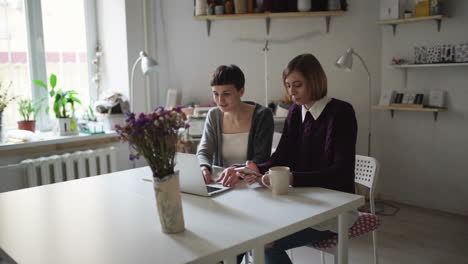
[260, 137]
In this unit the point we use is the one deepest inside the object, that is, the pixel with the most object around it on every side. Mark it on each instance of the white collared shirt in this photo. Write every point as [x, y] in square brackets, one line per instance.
[316, 109]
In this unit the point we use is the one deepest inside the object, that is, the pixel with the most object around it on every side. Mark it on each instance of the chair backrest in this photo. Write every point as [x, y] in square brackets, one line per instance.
[366, 171]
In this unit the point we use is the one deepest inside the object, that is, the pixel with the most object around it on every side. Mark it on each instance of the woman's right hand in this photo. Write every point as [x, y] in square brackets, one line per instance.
[207, 174]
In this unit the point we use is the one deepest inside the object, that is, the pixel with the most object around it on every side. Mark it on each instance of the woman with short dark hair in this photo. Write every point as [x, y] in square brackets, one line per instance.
[234, 131]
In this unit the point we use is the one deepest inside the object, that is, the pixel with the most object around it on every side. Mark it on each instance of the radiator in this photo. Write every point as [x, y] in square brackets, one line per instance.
[69, 166]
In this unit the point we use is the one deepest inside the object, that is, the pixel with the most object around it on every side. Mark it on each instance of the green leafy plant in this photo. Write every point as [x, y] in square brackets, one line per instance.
[27, 108]
[61, 98]
[89, 115]
[5, 98]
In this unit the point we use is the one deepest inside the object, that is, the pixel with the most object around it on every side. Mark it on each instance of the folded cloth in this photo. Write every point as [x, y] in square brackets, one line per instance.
[113, 103]
[19, 136]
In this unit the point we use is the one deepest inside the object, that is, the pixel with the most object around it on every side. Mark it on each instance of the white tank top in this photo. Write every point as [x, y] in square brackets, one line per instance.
[235, 148]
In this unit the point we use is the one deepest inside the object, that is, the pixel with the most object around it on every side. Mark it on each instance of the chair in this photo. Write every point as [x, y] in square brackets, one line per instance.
[366, 174]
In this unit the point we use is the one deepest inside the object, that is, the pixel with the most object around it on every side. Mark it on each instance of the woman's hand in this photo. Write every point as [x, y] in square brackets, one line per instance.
[207, 174]
[250, 178]
[228, 177]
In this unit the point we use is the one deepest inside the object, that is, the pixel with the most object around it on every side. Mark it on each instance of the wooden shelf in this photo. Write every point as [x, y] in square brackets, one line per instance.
[271, 15]
[268, 16]
[410, 20]
[402, 108]
[430, 65]
[395, 22]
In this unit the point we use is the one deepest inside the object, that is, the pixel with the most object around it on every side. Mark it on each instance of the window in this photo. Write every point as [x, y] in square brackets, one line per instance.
[68, 43]
[14, 68]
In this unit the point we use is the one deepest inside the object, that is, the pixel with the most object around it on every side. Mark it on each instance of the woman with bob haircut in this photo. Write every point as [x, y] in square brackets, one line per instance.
[318, 144]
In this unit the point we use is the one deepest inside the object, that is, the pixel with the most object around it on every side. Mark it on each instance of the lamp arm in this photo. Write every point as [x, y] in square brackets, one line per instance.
[132, 77]
[370, 102]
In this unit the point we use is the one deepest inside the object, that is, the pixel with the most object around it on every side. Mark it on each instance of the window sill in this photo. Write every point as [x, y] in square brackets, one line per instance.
[47, 140]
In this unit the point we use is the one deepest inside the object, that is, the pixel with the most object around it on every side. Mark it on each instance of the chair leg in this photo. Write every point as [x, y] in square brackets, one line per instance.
[374, 242]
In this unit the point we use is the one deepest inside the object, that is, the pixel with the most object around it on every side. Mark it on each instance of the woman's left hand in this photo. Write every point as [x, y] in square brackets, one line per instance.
[228, 177]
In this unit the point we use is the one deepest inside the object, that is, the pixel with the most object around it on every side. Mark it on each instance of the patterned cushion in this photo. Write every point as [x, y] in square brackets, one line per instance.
[365, 223]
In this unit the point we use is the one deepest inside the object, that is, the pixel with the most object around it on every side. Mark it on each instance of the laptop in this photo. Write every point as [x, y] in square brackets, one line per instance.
[191, 178]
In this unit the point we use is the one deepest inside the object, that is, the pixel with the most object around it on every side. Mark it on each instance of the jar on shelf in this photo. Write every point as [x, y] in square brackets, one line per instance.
[200, 7]
[240, 6]
[228, 7]
[304, 5]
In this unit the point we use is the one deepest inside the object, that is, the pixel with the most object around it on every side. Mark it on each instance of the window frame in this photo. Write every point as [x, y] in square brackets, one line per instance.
[36, 54]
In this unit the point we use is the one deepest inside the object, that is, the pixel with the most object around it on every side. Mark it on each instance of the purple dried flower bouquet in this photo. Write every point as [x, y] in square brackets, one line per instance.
[155, 136]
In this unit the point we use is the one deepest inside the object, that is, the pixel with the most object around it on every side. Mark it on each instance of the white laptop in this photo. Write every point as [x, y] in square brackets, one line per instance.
[191, 177]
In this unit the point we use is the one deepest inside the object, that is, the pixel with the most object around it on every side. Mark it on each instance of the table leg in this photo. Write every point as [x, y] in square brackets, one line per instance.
[259, 254]
[343, 238]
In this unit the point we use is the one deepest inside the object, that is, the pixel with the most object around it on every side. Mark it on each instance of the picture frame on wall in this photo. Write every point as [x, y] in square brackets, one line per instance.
[387, 97]
[437, 98]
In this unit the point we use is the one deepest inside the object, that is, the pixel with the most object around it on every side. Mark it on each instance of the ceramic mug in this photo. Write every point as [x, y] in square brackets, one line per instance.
[279, 180]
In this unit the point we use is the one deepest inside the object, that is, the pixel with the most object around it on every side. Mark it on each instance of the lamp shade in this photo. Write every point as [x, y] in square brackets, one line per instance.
[148, 64]
[345, 61]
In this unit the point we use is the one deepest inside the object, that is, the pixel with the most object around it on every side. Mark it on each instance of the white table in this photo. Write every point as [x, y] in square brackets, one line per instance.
[113, 219]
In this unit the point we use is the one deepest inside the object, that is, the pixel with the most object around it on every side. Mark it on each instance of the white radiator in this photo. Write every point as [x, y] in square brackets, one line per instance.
[69, 166]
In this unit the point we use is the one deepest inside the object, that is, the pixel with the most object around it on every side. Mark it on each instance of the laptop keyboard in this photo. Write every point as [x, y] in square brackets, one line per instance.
[212, 189]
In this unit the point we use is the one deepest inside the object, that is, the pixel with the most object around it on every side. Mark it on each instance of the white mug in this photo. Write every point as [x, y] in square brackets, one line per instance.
[279, 179]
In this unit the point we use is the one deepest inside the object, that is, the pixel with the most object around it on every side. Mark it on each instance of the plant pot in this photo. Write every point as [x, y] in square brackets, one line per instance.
[110, 120]
[66, 127]
[27, 125]
[169, 203]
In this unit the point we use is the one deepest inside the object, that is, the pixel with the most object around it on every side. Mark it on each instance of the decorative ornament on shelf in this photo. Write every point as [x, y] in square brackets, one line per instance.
[400, 61]
[155, 137]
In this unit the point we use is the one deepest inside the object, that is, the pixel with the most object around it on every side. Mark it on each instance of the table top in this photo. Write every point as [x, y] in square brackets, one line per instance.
[113, 218]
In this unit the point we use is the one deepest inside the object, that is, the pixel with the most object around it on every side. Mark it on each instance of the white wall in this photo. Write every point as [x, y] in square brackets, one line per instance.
[421, 159]
[190, 55]
[113, 38]
[424, 161]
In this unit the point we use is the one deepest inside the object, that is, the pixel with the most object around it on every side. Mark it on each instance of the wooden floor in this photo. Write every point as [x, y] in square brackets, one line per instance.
[413, 235]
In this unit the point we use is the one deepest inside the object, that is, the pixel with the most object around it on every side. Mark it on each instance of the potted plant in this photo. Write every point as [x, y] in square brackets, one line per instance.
[154, 136]
[5, 99]
[89, 124]
[28, 109]
[63, 106]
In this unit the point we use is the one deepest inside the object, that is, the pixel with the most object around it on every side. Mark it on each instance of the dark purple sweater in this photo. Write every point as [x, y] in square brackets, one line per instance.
[320, 153]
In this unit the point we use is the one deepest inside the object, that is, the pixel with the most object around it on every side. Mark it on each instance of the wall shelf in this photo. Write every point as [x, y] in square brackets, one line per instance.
[269, 16]
[395, 22]
[405, 67]
[392, 109]
[431, 65]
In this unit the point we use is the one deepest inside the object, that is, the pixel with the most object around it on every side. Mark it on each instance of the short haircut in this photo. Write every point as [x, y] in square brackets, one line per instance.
[228, 74]
[312, 71]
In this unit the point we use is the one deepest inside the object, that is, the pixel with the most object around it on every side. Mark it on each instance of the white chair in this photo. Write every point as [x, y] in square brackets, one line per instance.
[366, 174]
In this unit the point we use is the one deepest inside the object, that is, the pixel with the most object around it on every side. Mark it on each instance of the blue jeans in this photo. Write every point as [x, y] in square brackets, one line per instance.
[277, 254]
